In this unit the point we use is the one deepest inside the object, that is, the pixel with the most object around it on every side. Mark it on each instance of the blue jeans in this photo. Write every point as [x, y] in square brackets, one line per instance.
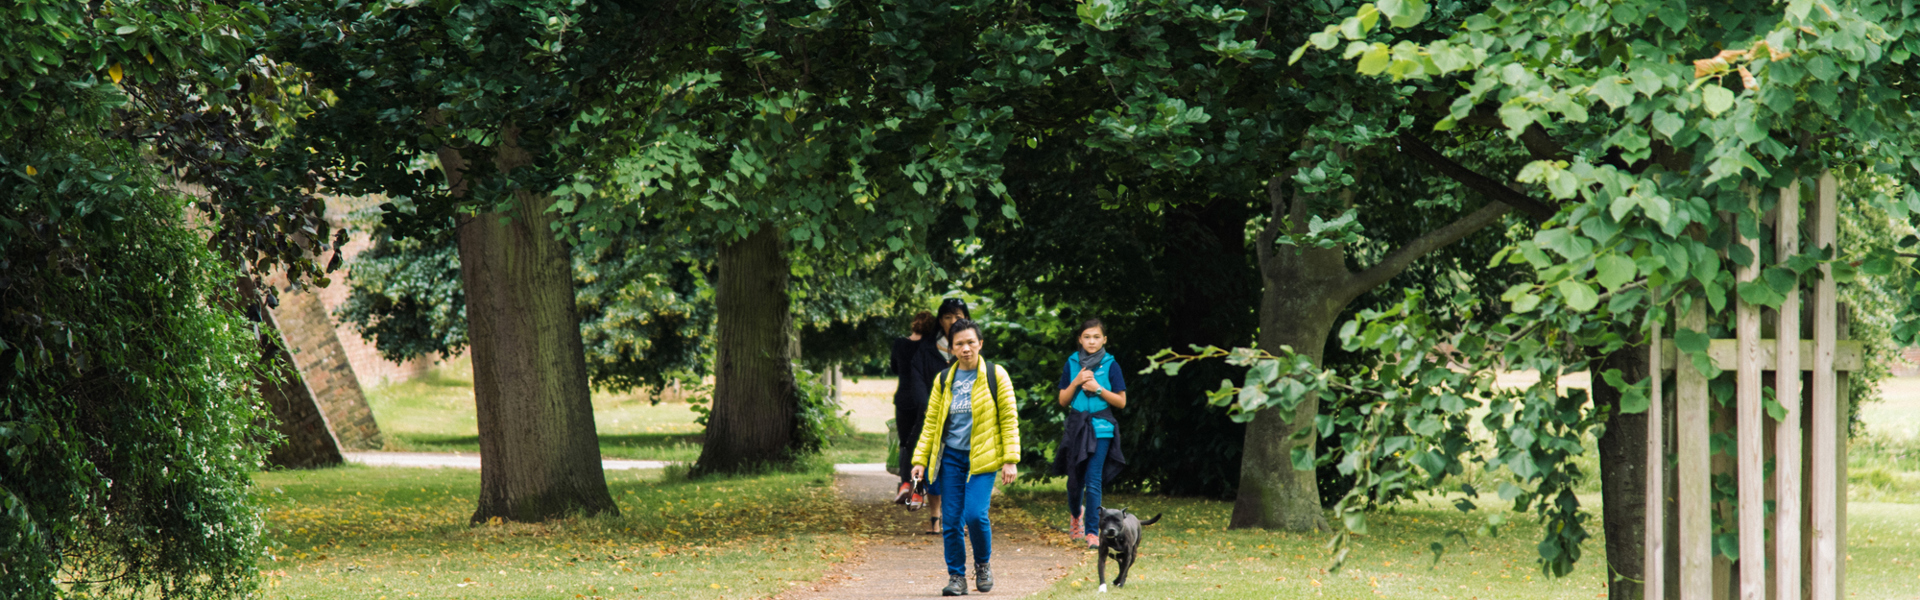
[1088, 485]
[963, 510]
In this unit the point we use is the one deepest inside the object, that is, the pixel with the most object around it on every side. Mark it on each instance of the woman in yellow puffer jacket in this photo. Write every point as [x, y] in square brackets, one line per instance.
[963, 444]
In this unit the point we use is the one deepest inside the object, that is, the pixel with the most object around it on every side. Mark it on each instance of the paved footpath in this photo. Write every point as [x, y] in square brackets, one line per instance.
[461, 460]
[896, 558]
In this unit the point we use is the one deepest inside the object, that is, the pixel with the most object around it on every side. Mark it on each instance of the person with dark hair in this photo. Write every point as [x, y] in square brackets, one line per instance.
[935, 356]
[951, 309]
[1091, 386]
[970, 435]
[909, 362]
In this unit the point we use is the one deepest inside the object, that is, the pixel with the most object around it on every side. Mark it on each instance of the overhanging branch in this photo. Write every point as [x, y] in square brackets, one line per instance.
[1493, 190]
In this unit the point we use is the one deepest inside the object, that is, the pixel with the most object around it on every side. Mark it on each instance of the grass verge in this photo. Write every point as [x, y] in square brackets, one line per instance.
[435, 414]
[360, 532]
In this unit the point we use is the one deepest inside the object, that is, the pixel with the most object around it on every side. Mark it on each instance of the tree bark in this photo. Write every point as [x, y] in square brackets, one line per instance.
[539, 452]
[754, 407]
[1303, 293]
[1623, 476]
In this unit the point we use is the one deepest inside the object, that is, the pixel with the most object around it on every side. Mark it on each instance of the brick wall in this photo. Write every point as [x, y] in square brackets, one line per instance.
[368, 366]
[335, 364]
[307, 438]
[1908, 364]
[310, 334]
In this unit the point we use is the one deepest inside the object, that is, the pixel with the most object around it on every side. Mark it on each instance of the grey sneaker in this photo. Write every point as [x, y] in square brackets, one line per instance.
[956, 586]
[982, 577]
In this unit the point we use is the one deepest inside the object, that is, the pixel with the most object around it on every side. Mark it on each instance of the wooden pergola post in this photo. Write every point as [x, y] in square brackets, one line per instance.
[1808, 546]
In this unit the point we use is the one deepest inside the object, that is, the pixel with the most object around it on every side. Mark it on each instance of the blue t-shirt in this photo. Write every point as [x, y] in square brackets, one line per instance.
[960, 413]
[1108, 375]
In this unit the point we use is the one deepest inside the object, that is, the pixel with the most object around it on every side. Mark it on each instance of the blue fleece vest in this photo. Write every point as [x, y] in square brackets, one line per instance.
[1086, 401]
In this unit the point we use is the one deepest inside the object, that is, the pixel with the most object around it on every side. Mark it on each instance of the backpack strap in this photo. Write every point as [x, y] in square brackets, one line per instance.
[993, 395]
[993, 383]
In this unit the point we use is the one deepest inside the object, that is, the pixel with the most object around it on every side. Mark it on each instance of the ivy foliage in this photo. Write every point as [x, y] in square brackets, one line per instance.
[184, 79]
[1654, 127]
[127, 377]
[128, 409]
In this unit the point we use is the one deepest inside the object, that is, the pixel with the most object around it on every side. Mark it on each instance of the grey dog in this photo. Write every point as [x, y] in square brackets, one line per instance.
[1120, 536]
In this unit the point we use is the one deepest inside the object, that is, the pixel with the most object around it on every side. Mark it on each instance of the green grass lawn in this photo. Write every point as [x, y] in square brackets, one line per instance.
[1191, 554]
[372, 533]
[398, 532]
[435, 414]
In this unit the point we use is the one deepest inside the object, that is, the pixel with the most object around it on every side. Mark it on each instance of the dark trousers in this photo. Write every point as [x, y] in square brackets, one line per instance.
[1084, 483]
[907, 421]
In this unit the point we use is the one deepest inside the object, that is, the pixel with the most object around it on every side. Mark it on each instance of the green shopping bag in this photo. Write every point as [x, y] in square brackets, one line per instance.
[893, 447]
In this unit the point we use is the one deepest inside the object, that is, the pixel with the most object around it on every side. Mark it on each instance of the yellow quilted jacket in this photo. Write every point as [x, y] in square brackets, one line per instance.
[996, 424]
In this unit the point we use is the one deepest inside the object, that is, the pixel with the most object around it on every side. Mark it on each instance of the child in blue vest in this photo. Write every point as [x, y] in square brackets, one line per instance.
[1091, 387]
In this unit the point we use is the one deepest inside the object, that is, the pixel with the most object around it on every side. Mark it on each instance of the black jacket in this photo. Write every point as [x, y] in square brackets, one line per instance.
[916, 363]
[1077, 445]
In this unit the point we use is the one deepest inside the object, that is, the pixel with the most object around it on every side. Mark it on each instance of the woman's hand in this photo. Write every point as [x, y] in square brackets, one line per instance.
[919, 472]
[1007, 473]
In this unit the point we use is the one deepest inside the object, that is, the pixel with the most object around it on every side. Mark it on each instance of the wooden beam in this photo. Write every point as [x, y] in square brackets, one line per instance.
[1750, 473]
[1786, 390]
[1654, 545]
[1824, 445]
[1694, 488]
[1848, 355]
[1843, 409]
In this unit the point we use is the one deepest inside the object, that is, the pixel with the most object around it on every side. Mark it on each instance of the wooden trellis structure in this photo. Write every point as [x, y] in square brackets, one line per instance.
[1798, 551]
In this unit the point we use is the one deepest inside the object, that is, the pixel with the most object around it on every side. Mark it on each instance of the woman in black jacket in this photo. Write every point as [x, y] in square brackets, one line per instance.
[910, 398]
[917, 359]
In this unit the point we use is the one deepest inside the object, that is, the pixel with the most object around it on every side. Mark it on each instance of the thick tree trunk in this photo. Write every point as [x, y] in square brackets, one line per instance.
[1305, 288]
[1296, 311]
[754, 408]
[1623, 476]
[1303, 291]
[539, 452]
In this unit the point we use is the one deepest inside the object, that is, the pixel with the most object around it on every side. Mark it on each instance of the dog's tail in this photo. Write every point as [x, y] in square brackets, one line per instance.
[1155, 519]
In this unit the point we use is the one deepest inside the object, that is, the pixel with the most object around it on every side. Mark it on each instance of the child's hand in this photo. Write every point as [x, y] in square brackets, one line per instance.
[1083, 378]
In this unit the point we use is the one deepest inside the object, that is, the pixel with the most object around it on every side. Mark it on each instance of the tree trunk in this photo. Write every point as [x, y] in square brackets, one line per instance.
[1623, 476]
[1305, 289]
[539, 452]
[754, 408]
[1297, 310]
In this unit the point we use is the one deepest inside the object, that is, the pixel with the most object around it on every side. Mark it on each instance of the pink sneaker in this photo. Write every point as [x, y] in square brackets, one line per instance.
[1074, 526]
[1093, 541]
